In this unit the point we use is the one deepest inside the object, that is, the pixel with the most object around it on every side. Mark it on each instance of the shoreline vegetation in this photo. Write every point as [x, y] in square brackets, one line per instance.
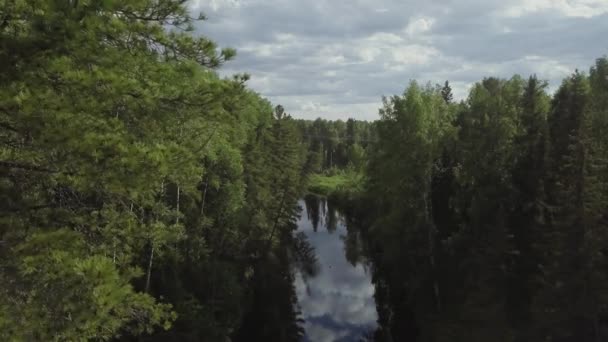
[338, 184]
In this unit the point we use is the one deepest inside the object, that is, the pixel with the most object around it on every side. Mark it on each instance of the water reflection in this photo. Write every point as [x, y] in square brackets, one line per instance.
[312, 211]
[337, 303]
[273, 313]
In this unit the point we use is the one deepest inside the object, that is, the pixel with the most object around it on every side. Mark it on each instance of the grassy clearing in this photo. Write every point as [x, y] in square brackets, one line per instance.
[341, 184]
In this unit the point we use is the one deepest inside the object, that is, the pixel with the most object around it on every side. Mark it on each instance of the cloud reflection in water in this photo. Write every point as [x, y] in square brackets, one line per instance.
[337, 304]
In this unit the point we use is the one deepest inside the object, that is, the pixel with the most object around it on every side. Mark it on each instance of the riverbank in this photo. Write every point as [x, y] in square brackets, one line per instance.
[339, 185]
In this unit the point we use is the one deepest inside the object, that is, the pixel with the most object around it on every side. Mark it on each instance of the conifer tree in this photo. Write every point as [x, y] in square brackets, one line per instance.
[446, 93]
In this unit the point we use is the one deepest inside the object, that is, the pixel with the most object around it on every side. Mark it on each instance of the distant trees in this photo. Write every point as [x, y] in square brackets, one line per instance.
[446, 93]
[513, 247]
[336, 144]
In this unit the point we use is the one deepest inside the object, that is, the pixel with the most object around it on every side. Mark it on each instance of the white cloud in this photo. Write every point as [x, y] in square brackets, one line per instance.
[392, 49]
[570, 8]
[368, 54]
[327, 55]
[285, 37]
[546, 67]
[322, 334]
[384, 38]
[419, 25]
[215, 5]
[262, 50]
[413, 54]
[340, 297]
[336, 59]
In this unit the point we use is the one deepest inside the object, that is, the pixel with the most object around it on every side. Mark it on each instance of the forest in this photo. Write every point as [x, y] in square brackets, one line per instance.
[144, 197]
[488, 216]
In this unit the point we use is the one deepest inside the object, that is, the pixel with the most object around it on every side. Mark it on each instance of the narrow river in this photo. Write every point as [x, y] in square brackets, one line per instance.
[337, 303]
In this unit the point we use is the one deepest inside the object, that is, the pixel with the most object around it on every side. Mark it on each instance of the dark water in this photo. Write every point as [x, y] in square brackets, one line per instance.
[337, 303]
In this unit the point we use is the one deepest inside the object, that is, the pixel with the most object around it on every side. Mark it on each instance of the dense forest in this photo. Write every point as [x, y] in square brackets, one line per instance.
[145, 198]
[336, 144]
[140, 192]
[488, 217]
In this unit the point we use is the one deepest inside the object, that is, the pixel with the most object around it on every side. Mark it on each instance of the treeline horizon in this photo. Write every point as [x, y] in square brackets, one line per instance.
[446, 89]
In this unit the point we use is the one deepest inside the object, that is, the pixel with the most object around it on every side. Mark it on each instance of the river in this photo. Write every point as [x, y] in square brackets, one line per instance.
[336, 303]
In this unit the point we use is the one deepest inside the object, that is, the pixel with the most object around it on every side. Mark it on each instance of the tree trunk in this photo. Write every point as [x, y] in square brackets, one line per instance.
[176, 222]
[151, 258]
[177, 206]
[276, 221]
[204, 198]
[149, 273]
[431, 249]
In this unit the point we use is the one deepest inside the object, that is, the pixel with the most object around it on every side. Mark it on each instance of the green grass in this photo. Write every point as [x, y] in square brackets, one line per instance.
[341, 183]
[325, 185]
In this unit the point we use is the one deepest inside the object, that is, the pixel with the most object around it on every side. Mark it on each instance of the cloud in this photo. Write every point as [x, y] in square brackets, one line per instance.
[336, 58]
[419, 26]
[338, 303]
[578, 8]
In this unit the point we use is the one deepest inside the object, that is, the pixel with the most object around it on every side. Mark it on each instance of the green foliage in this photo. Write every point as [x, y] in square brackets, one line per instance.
[446, 92]
[336, 144]
[135, 182]
[488, 216]
[63, 294]
[143, 195]
[342, 182]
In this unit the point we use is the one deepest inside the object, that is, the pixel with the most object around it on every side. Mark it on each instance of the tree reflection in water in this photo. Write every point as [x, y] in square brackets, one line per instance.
[321, 285]
[338, 303]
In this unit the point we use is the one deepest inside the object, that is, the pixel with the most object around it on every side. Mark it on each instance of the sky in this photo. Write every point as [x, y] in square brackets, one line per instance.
[336, 58]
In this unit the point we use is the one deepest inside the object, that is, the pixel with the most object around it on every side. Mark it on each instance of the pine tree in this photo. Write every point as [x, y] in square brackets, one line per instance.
[526, 216]
[446, 93]
[123, 173]
[559, 307]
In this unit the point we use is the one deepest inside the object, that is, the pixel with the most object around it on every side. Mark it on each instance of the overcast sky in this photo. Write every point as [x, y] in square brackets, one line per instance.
[336, 58]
